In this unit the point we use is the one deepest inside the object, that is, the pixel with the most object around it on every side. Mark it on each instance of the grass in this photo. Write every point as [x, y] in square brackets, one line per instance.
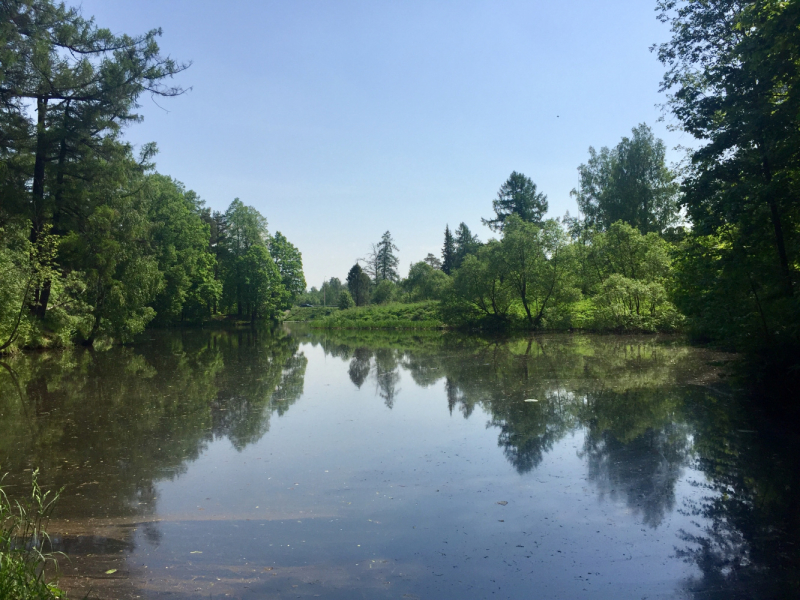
[306, 314]
[25, 556]
[418, 315]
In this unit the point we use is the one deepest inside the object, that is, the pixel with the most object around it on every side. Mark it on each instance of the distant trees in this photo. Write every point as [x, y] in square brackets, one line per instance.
[517, 196]
[358, 284]
[448, 252]
[631, 183]
[465, 244]
[433, 261]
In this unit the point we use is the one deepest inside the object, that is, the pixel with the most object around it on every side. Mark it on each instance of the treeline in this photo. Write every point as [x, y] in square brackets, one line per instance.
[730, 273]
[93, 242]
[609, 269]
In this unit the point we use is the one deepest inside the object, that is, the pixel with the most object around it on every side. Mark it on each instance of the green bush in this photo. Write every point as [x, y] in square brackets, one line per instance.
[346, 300]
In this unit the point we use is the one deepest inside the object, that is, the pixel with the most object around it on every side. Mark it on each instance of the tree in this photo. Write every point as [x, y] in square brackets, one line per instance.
[358, 283]
[434, 262]
[536, 264]
[517, 196]
[629, 183]
[465, 244]
[386, 262]
[384, 292]
[180, 241]
[245, 228]
[480, 289]
[448, 252]
[345, 300]
[82, 84]
[290, 265]
[331, 290]
[734, 83]
[262, 292]
[425, 282]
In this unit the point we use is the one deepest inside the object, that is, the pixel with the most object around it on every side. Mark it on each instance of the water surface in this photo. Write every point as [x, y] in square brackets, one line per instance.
[253, 464]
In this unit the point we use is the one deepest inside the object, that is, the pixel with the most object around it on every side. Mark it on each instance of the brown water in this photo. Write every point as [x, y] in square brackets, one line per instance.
[350, 465]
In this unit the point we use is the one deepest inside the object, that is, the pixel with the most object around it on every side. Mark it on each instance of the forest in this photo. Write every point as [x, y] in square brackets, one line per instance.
[96, 244]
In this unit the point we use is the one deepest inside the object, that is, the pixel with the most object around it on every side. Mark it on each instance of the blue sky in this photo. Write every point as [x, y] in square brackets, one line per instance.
[339, 120]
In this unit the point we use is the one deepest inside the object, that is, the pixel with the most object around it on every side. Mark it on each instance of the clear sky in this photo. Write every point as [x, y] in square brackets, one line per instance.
[341, 119]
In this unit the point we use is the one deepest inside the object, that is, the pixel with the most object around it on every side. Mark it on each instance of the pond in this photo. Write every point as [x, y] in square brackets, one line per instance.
[299, 464]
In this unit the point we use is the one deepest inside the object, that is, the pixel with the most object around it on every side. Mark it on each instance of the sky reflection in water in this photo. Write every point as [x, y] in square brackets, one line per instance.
[342, 465]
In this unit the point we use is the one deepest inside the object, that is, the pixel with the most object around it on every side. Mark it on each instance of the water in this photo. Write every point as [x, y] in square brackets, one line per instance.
[363, 465]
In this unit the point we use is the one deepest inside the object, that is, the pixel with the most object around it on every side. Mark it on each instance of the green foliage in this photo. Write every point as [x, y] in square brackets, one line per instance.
[420, 315]
[448, 252]
[734, 83]
[345, 300]
[629, 183]
[517, 196]
[290, 264]
[25, 554]
[537, 266]
[382, 263]
[480, 293]
[425, 282]
[385, 291]
[180, 241]
[358, 284]
[465, 244]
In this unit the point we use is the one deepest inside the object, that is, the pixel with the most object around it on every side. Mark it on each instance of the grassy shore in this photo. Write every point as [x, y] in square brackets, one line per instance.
[418, 315]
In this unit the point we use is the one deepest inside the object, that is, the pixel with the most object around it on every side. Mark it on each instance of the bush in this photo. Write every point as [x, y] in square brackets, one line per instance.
[385, 292]
[346, 300]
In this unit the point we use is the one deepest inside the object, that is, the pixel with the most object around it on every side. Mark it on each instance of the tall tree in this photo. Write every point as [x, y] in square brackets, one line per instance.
[517, 196]
[536, 264]
[448, 251]
[358, 283]
[386, 260]
[629, 183]
[75, 85]
[290, 265]
[246, 229]
[733, 78]
[465, 244]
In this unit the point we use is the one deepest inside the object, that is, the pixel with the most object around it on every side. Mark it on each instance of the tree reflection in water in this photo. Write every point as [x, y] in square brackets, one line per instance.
[646, 417]
[642, 407]
[152, 409]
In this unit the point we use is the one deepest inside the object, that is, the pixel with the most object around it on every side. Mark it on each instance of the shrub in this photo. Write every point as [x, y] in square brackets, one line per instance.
[346, 300]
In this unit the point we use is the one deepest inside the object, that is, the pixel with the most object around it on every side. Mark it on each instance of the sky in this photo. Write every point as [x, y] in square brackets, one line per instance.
[340, 120]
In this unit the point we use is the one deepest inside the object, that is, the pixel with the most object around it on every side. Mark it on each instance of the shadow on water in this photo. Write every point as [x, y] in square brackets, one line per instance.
[111, 425]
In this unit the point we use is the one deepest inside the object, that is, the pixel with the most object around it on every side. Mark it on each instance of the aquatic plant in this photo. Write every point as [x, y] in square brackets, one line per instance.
[28, 567]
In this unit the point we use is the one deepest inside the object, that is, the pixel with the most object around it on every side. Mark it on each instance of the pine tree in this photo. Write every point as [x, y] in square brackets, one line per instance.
[465, 244]
[517, 196]
[386, 260]
[448, 252]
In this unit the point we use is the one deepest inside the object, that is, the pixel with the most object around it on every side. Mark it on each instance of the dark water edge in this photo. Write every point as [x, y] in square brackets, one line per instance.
[253, 463]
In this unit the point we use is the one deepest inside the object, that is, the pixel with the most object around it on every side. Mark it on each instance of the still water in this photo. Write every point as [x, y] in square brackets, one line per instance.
[297, 464]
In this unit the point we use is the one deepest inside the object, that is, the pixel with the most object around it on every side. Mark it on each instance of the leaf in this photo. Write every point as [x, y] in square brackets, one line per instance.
[111, 571]
[196, 552]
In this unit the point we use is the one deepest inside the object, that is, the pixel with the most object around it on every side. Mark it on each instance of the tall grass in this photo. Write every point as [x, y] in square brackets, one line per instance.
[26, 557]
